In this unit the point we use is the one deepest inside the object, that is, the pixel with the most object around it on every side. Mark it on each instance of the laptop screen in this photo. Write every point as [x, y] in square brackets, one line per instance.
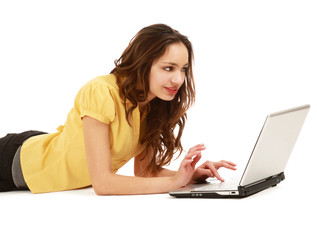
[274, 145]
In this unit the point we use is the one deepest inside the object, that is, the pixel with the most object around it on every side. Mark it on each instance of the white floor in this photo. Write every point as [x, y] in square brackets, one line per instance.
[278, 213]
[284, 212]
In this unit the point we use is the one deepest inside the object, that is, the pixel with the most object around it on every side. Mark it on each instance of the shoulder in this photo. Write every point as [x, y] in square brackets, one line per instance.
[99, 99]
[100, 88]
[105, 81]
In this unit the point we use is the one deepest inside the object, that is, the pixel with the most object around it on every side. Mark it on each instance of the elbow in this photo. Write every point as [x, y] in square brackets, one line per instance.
[103, 190]
[99, 192]
[103, 186]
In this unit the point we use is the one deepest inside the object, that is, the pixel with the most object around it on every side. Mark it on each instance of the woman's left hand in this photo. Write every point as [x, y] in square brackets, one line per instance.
[209, 169]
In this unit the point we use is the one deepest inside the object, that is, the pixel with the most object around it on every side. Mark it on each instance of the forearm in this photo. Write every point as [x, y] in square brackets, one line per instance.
[163, 172]
[113, 184]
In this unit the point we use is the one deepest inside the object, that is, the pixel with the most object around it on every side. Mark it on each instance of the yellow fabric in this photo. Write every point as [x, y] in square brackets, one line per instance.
[57, 161]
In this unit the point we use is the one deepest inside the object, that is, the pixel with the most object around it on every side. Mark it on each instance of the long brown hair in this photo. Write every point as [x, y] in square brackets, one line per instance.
[165, 120]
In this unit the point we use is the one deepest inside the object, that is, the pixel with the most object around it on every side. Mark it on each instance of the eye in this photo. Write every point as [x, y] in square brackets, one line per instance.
[169, 69]
[184, 69]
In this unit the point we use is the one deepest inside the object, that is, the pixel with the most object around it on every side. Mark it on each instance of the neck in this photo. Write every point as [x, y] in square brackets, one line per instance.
[145, 103]
[142, 105]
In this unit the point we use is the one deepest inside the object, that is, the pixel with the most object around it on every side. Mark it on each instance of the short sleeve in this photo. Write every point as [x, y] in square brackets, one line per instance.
[95, 100]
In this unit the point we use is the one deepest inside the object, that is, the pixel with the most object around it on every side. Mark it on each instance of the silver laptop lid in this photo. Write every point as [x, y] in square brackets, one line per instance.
[274, 145]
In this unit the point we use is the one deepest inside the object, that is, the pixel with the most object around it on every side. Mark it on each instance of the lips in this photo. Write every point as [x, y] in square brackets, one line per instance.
[171, 90]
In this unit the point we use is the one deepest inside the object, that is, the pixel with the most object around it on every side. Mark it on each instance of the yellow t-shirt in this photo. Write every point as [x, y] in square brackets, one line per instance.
[57, 161]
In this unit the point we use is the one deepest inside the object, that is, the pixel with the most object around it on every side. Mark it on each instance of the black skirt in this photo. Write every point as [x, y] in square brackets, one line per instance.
[8, 147]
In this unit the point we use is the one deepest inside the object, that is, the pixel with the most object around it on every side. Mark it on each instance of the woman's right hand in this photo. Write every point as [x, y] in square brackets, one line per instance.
[187, 166]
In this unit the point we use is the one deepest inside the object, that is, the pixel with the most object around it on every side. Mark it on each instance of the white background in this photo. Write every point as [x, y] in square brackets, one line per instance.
[251, 58]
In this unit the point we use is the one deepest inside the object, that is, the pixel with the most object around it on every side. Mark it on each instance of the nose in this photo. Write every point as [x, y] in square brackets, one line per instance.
[178, 78]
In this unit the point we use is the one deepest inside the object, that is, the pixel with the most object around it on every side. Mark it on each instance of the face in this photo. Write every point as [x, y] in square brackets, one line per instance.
[168, 72]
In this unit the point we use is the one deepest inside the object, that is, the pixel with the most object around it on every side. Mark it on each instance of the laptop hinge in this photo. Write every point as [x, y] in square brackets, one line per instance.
[261, 185]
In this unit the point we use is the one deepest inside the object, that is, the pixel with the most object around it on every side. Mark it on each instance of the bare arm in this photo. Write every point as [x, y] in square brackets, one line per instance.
[140, 164]
[200, 174]
[104, 181]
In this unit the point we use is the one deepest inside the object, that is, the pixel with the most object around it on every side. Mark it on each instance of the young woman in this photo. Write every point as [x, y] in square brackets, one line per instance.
[139, 110]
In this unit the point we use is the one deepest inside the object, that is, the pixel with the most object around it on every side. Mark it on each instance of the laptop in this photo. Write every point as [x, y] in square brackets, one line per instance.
[266, 164]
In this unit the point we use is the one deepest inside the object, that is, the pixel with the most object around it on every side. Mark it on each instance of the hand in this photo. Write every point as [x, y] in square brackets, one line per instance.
[209, 169]
[187, 167]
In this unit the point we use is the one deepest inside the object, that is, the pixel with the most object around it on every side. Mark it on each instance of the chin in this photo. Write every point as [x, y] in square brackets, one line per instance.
[166, 98]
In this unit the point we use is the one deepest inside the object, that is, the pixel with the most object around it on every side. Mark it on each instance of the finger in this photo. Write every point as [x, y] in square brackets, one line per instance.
[196, 159]
[230, 163]
[214, 171]
[201, 172]
[190, 155]
[186, 162]
[198, 147]
[201, 175]
[225, 165]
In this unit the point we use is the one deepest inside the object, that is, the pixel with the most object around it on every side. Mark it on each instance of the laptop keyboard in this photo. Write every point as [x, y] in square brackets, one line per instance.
[214, 184]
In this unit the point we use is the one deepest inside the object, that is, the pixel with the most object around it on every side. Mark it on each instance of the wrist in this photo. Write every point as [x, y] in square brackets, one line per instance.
[176, 182]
